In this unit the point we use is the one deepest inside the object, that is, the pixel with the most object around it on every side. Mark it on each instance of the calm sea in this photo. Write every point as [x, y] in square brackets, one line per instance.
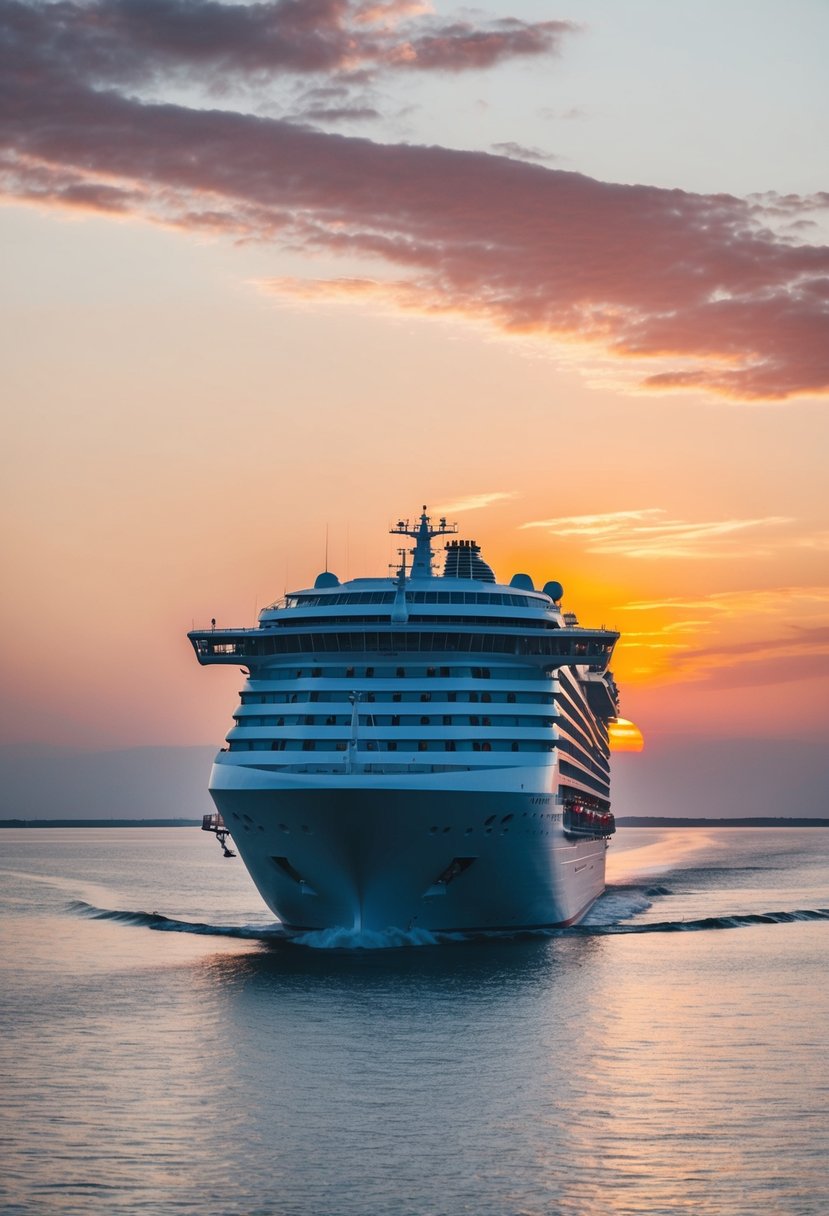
[165, 1050]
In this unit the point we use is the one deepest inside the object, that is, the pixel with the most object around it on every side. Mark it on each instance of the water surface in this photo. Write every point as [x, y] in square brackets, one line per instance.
[668, 1056]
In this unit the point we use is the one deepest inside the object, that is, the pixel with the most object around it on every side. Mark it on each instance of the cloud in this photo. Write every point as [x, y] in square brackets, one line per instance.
[800, 653]
[749, 638]
[696, 289]
[519, 152]
[339, 114]
[646, 533]
[766, 601]
[459, 47]
[129, 41]
[473, 502]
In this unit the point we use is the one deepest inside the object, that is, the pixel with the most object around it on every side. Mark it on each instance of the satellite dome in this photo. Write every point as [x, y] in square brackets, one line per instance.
[554, 590]
[326, 579]
[522, 581]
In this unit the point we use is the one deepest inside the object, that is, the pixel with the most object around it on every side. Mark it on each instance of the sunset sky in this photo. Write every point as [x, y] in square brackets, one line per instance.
[560, 272]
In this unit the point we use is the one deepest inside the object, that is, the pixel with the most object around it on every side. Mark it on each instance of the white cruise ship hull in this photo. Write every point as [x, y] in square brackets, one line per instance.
[371, 853]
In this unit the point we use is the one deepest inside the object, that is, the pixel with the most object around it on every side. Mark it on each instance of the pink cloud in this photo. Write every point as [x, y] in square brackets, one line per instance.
[460, 46]
[117, 41]
[802, 653]
[693, 283]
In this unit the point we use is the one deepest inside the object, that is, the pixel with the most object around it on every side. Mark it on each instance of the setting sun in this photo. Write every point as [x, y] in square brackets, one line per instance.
[625, 736]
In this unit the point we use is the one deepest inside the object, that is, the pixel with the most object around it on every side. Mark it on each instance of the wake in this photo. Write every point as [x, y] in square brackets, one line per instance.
[315, 939]
[167, 924]
[739, 921]
[611, 916]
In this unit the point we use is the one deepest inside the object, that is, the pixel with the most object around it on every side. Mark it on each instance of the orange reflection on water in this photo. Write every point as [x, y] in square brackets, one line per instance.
[641, 852]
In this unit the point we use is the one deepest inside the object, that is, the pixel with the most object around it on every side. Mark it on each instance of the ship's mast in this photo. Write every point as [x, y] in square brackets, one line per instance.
[422, 534]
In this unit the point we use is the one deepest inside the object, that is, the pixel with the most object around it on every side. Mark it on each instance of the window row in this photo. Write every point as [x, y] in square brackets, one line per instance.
[576, 774]
[399, 698]
[503, 673]
[252, 647]
[379, 720]
[297, 620]
[412, 597]
[392, 745]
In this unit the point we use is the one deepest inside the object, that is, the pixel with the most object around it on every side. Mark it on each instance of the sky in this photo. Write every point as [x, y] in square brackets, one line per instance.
[277, 270]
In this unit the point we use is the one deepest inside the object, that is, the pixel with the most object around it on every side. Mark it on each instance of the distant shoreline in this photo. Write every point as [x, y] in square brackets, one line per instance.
[755, 821]
[100, 823]
[626, 821]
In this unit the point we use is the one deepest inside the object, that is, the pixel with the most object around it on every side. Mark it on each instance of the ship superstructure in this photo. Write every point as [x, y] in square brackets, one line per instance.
[422, 750]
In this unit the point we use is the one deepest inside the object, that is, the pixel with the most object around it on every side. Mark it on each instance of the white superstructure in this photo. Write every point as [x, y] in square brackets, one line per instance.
[420, 751]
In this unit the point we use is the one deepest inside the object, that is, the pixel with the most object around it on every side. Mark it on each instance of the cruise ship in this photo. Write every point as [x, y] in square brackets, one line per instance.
[427, 750]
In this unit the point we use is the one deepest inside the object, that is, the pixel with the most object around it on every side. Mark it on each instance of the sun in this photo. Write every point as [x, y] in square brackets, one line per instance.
[625, 736]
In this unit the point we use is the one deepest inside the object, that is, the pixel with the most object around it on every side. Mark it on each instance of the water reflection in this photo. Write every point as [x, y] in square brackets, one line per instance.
[508, 964]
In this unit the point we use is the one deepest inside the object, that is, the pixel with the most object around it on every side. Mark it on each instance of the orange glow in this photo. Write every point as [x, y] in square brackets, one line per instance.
[625, 736]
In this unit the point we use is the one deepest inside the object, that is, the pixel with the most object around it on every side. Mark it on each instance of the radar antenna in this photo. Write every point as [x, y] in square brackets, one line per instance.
[422, 533]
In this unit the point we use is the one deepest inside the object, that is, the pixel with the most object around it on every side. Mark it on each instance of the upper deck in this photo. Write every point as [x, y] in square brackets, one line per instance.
[462, 611]
[421, 673]
[371, 616]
